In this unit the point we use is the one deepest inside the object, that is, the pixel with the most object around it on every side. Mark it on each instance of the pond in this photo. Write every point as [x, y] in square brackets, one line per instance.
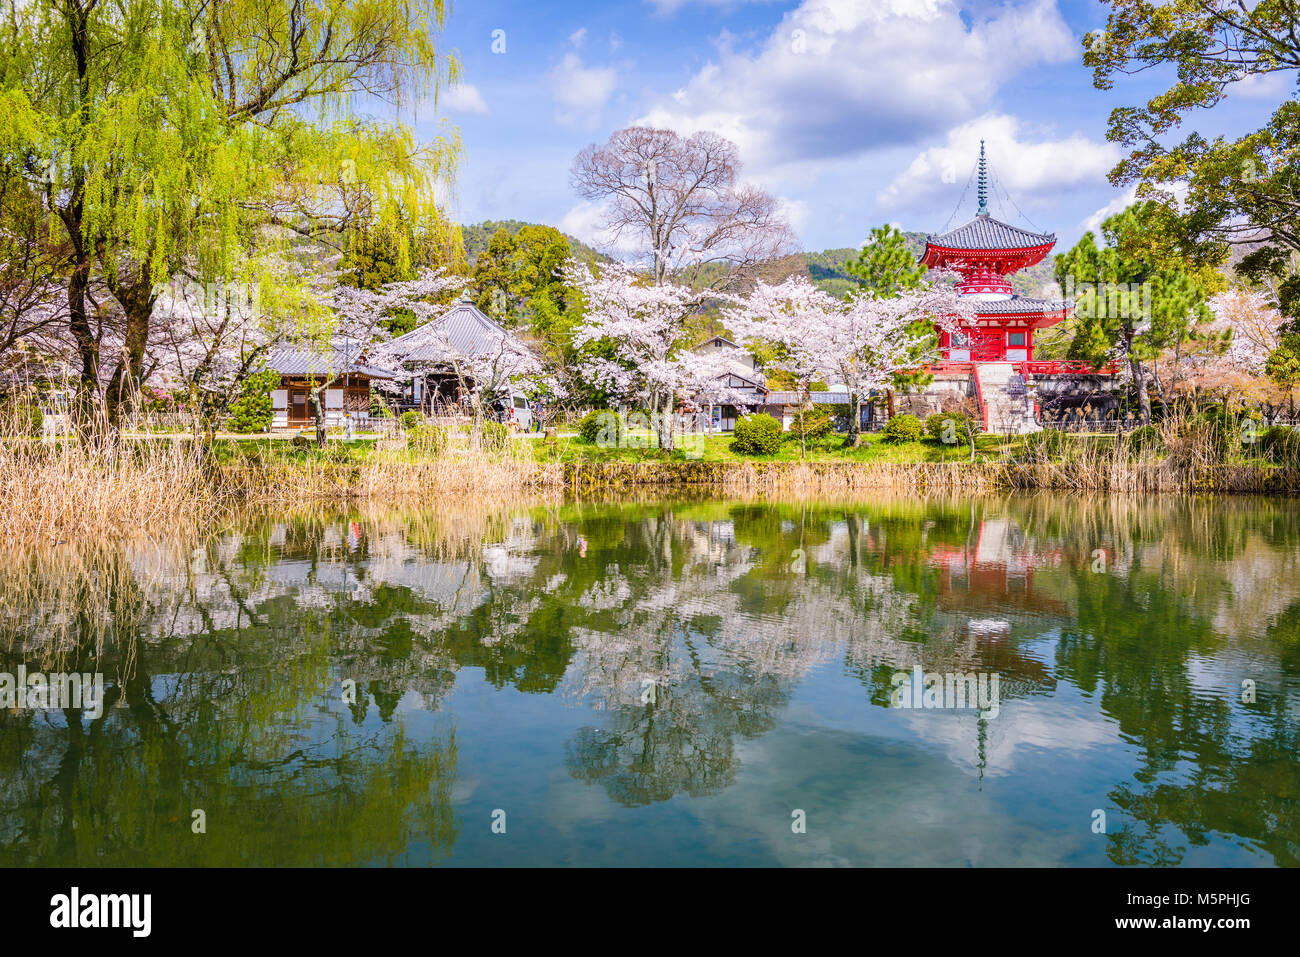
[697, 682]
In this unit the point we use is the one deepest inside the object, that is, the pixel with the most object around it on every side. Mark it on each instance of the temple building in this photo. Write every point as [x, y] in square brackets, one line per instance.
[985, 252]
[991, 361]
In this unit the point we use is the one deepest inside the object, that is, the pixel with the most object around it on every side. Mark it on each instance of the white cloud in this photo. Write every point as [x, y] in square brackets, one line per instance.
[1263, 86]
[578, 36]
[464, 98]
[1174, 192]
[838, 77]
[1117, 205]
[584, 221]
[795, 211]
[1025, 166]
[581, 93]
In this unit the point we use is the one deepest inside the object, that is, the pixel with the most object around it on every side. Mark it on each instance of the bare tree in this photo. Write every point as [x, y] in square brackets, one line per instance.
[683, 199]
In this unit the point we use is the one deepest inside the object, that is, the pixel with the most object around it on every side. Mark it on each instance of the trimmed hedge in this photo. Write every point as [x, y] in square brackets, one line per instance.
[603, 424]
[758, 434]
[903, 428]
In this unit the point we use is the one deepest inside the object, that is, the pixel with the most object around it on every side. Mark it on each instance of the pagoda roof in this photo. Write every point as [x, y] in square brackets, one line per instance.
[1018, 306]
[986, 233]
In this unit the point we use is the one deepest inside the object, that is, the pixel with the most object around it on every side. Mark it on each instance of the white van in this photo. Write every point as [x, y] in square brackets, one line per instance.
[520, 413]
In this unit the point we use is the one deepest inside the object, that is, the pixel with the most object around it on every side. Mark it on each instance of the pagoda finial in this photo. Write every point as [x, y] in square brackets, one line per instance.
[983, 184]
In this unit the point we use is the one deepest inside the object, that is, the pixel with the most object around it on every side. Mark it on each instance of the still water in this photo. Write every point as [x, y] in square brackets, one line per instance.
[667, 683]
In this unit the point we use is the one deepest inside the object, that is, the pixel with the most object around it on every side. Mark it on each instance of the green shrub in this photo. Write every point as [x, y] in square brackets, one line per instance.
[250, 411]
[1143, 440]
[410, 419]
[1228, 433]
[1282, 445]
[757, 434]
[903, 428]
[934, 426]
[300, 441]
[811, 423]
[494, 436]
[603, 425]
[428, 438]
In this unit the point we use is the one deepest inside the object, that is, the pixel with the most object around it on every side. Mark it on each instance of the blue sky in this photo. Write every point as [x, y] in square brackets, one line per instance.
[853, 112]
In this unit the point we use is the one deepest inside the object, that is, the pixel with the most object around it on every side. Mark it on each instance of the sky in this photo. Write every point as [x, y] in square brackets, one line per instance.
[854, 113]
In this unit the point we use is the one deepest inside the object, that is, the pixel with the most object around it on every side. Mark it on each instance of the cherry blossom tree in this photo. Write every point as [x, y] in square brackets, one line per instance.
[1231, 358]
[863, 342]
[643, 326]
[216, 335]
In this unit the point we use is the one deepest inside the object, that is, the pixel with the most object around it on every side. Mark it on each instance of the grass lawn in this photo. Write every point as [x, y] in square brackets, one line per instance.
[874, 448]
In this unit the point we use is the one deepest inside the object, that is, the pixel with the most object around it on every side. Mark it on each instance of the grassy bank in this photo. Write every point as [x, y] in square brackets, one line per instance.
[64, 489]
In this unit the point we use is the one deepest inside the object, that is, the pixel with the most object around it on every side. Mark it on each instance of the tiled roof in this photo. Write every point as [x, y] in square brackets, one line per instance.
[818, 398]
[1018, 306]
[464, 327]
[985, 232]
[320, 362]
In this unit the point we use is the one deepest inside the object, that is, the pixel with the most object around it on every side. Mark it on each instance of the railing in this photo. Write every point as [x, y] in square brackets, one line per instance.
[1048, 367]
[1065, 366]
[1087, 425]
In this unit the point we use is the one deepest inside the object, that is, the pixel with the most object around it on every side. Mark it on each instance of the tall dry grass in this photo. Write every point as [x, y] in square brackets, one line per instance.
[61, 486]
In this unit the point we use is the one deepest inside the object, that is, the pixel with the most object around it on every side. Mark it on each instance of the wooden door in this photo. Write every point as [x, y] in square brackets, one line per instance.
[299, 409]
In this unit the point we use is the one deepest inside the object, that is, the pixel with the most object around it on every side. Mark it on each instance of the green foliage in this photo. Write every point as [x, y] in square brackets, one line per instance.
[250, 410]
[811, 423]
[168, 135]
[886, 265]
[21, 414]
[518, 274]
[410, 419]
[1131, 294]
[758, 434]
[1283, 364]
[495, 436]
[428, 438]
[1204, 50]
[478, 235]
[934, 426]
[603, 426]
[1282, 445]
[903, 428]
[1227, 433]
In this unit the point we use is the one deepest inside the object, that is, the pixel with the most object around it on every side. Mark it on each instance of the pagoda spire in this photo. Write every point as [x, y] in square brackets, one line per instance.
[983, 190]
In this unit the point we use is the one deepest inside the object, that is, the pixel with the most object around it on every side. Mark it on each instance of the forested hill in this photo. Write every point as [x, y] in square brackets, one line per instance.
[827, 270]
[478, 235]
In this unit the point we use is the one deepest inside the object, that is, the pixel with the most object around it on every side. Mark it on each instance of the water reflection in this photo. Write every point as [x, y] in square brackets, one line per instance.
[367, 687]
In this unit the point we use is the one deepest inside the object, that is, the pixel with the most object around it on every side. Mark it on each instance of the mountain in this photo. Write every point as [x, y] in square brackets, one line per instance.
[477, 236]
[828, 272]
[825, 268]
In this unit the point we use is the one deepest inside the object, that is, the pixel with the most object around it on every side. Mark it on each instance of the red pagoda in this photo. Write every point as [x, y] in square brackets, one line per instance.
[985, 252]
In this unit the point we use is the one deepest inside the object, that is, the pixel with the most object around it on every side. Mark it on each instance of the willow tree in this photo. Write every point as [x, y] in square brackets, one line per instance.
[202, 139]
